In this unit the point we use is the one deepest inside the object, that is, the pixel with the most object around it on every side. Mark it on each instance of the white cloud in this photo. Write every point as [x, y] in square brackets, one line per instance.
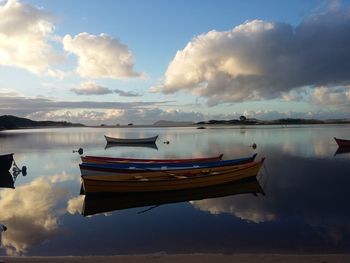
[245, 207]
[75, 204]
[25, 33]
[120, 116]
[29, 214]
[123, 93]
[339, 96]
[100, 56]
[263, 60]
[92, 88]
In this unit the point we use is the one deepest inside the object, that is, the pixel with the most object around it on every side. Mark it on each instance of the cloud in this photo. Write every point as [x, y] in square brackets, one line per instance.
[97, 112]
[295, 198]
[262, 60]
[25, 35]
[245, 207]
[100, 56]
[118, 116]
[339, 96]
[26, 106]
[75, 204]
[91, 88]
[125, 93]
[29, 214]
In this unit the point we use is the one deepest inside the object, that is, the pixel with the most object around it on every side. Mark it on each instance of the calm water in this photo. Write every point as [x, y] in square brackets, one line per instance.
[305, 209]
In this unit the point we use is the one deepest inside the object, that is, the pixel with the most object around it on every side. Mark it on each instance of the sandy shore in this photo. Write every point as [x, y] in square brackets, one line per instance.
[190, 258]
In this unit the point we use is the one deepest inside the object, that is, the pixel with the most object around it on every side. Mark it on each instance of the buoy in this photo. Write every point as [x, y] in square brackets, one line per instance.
[254, 146]
[24, 170]
[80, 151]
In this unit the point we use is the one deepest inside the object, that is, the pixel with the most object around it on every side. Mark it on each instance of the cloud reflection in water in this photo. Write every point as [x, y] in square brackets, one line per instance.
[30, 212]
[312, 191]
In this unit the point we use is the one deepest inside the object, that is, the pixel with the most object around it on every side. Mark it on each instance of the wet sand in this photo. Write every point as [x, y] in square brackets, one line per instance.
[188, 258]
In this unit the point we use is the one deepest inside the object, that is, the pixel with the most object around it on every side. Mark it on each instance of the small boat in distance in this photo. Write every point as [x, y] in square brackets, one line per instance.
[126, 141]
[6, 161]
[342, 142]
[115, 184]
[102, 159]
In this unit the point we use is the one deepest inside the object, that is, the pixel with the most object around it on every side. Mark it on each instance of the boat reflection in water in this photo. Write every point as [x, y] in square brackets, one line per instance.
[342, 150]
[7, 180]
[107, 202]
[152, 146]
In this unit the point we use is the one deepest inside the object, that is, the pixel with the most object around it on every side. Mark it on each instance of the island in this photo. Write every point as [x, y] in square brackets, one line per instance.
[9, 122]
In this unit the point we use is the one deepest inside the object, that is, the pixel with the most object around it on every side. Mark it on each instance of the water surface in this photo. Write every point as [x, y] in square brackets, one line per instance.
[305, 209]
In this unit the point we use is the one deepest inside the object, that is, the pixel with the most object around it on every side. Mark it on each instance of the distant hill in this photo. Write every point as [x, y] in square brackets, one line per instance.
[173, 123]
[9, 122]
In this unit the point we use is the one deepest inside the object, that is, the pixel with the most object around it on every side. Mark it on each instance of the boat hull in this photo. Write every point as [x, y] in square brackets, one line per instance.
[342, 142]
[160, 169]
[125, 141]
[114, 184]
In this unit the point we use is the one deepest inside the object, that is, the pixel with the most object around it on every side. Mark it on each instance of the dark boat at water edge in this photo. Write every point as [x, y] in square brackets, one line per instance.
[342, 142]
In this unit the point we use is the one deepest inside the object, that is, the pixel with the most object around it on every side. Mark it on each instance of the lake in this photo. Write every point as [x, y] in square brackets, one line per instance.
[305, 208]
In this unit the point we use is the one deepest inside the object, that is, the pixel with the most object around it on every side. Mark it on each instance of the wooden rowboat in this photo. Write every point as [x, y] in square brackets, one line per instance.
[6, 161]
[101, 159]
[149, 140]
[102, 203]
[89, 169]
[114, 184]
[342, 142]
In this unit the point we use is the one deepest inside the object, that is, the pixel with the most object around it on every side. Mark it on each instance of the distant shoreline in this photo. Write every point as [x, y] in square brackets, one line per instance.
[206, 126]
[8, 122]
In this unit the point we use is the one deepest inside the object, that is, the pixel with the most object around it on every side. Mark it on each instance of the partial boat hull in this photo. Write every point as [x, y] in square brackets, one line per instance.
[342, 142]
[102, 160]
[114, 184]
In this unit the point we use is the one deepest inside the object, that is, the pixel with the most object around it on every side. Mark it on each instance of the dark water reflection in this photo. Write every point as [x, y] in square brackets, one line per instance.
[101, 203]
[305, 209]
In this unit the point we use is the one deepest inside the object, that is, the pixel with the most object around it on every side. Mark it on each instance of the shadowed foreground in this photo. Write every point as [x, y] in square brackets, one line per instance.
[193, 258]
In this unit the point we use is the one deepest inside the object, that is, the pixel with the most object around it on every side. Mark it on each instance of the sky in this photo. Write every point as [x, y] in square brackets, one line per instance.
[138, 61]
